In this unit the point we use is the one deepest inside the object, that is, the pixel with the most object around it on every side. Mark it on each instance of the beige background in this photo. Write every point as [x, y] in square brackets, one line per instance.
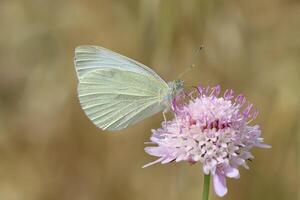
[49, 150]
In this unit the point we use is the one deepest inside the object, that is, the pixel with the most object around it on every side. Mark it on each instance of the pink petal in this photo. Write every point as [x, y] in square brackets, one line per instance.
[154, 162]
[167, 160]
[232, 172]
[219, 183]
[156, 151]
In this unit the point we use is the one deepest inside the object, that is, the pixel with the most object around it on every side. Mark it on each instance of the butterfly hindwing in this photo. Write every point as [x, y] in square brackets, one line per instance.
[114, 99]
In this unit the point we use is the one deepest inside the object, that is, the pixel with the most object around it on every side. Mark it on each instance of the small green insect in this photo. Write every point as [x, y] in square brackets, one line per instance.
[116, 92]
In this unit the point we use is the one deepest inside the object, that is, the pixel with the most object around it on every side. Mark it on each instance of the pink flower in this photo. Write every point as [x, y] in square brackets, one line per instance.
[211, 129]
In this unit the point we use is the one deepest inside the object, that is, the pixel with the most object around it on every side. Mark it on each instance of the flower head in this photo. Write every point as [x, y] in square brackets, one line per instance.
[211, 129]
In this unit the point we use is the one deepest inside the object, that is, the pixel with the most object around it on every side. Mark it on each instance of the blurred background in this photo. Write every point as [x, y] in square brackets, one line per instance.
[49, 149]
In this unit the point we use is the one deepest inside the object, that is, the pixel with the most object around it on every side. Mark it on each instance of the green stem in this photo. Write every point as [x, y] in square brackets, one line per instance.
[206, 187]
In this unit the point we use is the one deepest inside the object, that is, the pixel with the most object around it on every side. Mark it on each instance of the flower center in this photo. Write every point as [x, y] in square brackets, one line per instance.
[216, 124]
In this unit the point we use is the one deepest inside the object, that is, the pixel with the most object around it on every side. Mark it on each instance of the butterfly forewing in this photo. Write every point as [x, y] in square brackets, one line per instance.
[90, 58]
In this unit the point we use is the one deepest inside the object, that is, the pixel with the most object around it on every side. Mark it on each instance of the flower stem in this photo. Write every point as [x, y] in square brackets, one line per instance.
[206, 187]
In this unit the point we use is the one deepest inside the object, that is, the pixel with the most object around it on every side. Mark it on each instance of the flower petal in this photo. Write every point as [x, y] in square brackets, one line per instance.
[219, 183]
[152, 163]
[232, 172]
[157, 151]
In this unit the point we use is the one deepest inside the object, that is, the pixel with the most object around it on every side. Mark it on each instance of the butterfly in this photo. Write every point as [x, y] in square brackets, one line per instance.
[116, 91]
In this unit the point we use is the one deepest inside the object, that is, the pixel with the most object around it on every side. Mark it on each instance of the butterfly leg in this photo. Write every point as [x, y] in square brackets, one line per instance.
[164, 114]
[165, 119]
[177, 122]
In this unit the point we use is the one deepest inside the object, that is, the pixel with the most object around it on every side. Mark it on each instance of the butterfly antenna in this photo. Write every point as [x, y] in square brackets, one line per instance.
[192, 66]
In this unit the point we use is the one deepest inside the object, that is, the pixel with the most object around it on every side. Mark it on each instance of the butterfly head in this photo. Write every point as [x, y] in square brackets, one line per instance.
[176, 87]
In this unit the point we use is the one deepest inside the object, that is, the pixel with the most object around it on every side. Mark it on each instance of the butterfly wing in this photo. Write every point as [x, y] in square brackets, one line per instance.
[90, 58]
[114, 99]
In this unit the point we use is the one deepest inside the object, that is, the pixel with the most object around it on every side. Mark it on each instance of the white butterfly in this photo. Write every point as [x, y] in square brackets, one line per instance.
[116, 91]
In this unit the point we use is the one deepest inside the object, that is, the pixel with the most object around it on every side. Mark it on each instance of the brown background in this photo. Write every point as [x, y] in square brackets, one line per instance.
[49, 150]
